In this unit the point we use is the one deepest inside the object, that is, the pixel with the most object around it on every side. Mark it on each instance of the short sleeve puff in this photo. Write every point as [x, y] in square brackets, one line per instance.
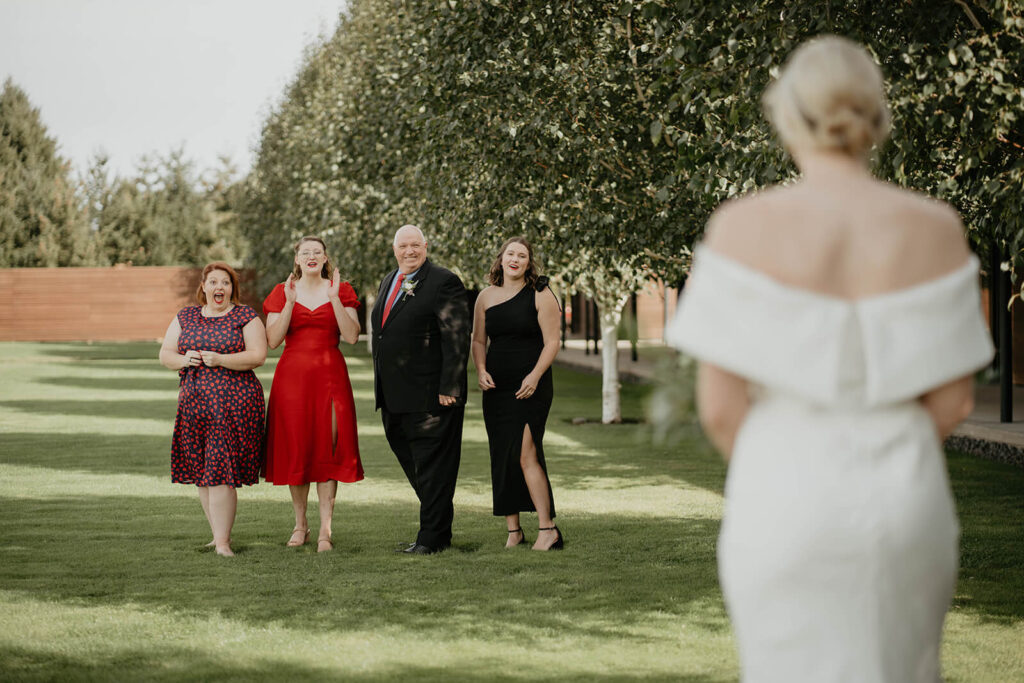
[274, 303]
[347, 295]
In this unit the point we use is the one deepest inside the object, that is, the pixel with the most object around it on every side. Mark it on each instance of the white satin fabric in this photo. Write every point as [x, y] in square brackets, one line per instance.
[839, 546]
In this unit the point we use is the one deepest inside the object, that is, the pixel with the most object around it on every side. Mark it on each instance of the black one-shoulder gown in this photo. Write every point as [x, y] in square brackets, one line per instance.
[516, 343]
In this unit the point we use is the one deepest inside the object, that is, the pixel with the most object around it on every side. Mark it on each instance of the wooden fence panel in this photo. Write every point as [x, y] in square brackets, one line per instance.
[96, 304]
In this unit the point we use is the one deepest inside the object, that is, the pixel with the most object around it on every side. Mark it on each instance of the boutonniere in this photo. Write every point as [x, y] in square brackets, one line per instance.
[408, 286]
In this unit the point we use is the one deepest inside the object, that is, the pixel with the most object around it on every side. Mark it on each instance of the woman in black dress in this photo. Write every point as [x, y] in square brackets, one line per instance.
[519, 316]
[218, 432]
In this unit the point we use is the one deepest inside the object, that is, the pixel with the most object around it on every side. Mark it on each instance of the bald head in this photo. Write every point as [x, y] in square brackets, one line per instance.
[410, 246]
[409, 229]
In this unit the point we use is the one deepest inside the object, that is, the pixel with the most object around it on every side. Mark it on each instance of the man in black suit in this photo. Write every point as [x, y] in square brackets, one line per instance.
[421, 330]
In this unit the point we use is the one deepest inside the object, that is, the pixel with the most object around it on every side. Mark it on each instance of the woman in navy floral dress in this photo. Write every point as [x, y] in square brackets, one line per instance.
[218, 432]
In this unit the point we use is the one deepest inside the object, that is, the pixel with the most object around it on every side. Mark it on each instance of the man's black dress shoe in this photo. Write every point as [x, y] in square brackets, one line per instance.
[420, 549]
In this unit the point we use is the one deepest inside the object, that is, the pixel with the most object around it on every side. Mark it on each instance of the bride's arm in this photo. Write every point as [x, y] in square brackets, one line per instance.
[722, 404]
[950, 404]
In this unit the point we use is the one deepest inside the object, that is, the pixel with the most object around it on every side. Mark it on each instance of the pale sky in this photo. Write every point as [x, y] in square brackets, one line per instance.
[133, 77]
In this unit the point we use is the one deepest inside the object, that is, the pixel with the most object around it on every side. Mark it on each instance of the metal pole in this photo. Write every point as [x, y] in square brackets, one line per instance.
[1005, 349]
[585, 309]
[634, 332]
[994, 297]
[563, 322]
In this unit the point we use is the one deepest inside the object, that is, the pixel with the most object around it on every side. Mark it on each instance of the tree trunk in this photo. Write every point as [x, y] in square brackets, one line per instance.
[371, 299]
[610, 313]
[610, 288]
[611, 405]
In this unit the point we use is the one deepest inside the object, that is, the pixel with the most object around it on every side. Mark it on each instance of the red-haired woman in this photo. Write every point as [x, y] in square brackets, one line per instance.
[218, 431]
[311, 416]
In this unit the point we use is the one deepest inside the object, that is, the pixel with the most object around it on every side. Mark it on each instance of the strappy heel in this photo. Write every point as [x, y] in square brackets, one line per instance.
[295, 544]
[560, 543]
[521, 540]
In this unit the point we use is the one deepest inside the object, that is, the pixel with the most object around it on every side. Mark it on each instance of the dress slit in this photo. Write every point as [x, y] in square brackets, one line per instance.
[335, 420]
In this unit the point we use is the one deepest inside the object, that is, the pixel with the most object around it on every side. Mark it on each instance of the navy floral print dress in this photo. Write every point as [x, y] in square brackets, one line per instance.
[218, 432]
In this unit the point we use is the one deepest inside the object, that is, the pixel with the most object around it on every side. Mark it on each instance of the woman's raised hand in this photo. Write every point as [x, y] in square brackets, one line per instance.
[334, 286]
[291, 294]
[484, 381]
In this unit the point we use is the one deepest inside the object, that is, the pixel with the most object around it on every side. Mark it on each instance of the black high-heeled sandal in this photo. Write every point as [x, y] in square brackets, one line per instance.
[560, 543]
[521, 540]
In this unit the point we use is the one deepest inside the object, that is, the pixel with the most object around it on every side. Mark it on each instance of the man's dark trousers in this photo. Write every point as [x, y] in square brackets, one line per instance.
[429, 448]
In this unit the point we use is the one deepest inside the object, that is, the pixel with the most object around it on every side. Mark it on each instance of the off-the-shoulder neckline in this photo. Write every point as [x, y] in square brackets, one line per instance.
[971, 265]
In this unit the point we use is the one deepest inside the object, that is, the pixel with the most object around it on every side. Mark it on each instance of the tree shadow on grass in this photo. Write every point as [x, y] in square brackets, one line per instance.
[989, 503]
[168, 383]
[97, 453]
[85, 351]
[159, 409]
[150, 454]
[147, 365]
[165, 664]
[615, 573]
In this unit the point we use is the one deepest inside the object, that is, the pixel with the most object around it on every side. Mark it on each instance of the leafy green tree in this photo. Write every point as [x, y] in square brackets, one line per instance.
[606, 132]
[40, 222]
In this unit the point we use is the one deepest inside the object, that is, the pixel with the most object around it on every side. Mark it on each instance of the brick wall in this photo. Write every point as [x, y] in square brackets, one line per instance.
[122, 303]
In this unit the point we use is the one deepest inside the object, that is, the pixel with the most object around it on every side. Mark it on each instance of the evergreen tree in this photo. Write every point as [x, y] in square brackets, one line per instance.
[40, 221]
[166, 214]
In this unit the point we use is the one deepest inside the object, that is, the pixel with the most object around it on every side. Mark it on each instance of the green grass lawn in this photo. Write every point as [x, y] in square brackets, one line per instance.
[103, 573]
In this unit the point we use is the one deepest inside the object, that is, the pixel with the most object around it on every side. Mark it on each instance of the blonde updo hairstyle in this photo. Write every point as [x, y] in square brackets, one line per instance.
[829, 96]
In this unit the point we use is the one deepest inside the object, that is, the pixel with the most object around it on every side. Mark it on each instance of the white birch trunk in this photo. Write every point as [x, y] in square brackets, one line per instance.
[610, 309]
[610, 288]
[611, 405]
[371, 299]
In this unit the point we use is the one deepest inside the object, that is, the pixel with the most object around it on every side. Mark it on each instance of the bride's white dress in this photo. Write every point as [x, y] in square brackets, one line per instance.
[839, 545]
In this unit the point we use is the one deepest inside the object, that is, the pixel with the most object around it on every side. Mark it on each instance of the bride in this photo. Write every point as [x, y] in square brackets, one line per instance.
[837, 325]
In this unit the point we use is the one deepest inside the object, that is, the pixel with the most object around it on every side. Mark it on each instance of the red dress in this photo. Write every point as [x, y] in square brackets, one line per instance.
[311, 378]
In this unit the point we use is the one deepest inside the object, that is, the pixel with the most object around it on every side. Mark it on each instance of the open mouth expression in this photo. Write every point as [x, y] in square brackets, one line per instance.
[218, 288]
[310, 257]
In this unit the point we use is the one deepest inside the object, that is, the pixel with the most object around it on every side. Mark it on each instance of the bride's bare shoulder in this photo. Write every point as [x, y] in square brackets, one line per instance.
[927, 225]
[738, 223]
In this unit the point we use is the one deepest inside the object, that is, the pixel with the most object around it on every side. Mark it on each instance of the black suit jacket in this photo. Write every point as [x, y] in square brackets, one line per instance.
[422, 349]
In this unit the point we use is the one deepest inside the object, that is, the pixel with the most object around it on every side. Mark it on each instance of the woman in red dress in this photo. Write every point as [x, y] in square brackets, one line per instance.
[311, 417]
[218, 432]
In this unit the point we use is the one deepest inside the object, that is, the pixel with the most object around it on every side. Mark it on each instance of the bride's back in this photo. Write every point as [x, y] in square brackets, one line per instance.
[842, 234]
[837, 231]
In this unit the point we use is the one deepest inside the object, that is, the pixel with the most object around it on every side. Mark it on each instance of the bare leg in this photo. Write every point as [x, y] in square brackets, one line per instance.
[204, 500]
[326, 492]
[514, 537]
[537, 484]
[301, 531]
[223, 503]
